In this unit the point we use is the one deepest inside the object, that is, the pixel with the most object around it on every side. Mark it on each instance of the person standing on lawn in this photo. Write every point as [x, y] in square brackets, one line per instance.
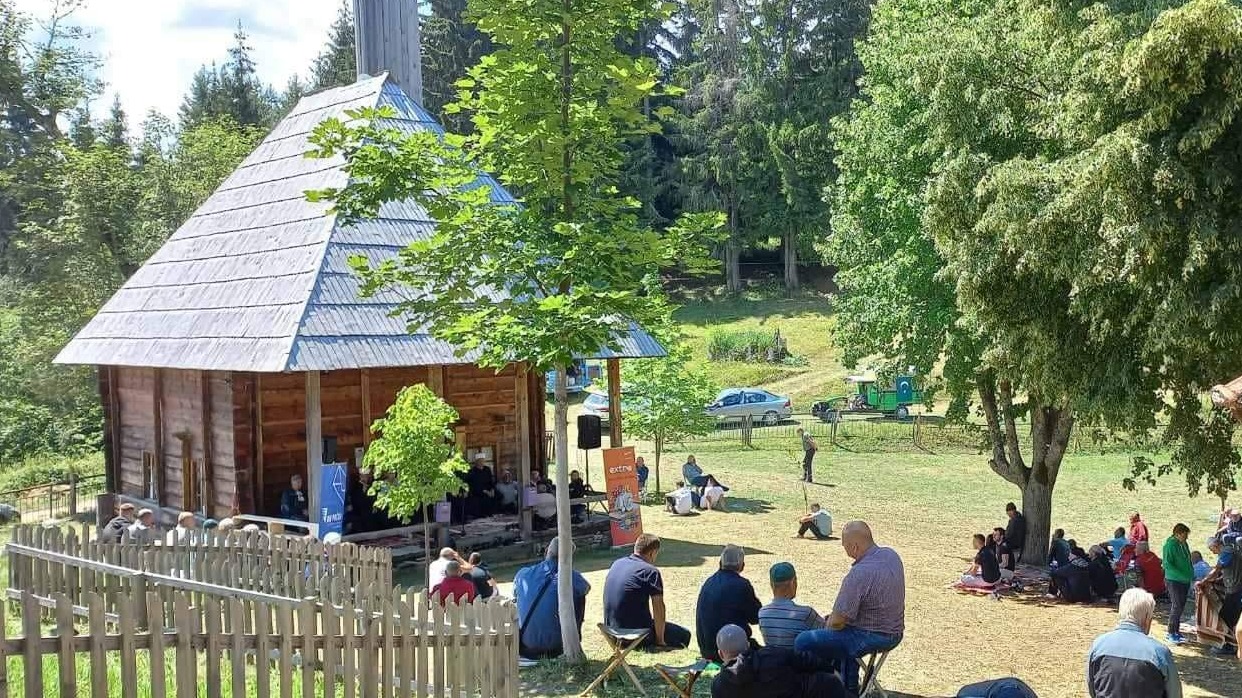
[869, 614]
[1138, 529]
[1179, 574]
[809, 448]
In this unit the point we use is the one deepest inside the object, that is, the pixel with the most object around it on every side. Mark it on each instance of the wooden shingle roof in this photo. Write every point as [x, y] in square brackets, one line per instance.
[258, 279]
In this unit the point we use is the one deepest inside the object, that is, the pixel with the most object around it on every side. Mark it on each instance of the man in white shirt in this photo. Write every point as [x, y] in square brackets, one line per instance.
[436, 571]
[818, 522]
[545, 506]
[681, 500]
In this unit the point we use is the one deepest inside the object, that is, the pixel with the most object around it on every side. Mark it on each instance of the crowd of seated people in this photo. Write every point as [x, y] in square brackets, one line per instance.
[709, 493]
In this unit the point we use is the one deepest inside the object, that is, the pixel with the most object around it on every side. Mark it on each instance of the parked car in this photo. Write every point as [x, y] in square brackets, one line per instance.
[735, 404]
[596, 403]
[868, 396]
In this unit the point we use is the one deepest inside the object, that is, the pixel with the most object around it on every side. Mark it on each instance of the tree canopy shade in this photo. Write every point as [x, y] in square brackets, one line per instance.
[571, 269]
[1045, 197]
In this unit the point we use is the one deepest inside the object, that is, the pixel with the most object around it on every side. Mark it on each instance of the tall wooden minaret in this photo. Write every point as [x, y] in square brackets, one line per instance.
[387, 38]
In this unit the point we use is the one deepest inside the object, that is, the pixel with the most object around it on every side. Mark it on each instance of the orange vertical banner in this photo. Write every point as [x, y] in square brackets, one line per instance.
[621, 481]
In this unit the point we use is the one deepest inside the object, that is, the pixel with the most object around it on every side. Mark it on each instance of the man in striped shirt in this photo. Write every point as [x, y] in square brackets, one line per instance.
[782, 620]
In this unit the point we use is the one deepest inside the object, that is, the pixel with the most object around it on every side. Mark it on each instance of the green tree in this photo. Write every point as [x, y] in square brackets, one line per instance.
[1038, 196]
[232, 89]
[666, 398]
[551, 111]
[336, 65]
[451, 45]
[414, 445]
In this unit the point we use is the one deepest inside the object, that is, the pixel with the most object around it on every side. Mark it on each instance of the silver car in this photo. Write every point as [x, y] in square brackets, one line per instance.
[763, 407]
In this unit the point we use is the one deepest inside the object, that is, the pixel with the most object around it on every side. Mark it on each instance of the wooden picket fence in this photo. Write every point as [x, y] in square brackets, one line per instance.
[406, 645]
[45, 561]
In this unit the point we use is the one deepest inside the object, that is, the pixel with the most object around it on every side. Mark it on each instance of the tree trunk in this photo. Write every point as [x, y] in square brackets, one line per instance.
[659, 448]
[1051, 426]
[790, 247]
[733, 265]
[564, 524]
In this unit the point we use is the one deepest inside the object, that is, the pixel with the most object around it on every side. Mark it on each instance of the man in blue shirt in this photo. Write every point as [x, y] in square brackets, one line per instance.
[1228, 575]
[727, 598]
[1126, 663]
[539, 620]
[633, 582]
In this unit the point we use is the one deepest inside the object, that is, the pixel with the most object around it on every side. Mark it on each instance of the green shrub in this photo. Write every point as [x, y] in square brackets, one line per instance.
[748, 345]
[42, 469]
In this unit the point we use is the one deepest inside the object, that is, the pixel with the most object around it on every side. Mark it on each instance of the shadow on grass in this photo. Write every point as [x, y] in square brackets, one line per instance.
[747, 505]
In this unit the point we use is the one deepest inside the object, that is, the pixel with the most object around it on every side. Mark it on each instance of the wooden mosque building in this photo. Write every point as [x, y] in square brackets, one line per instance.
[241, 349]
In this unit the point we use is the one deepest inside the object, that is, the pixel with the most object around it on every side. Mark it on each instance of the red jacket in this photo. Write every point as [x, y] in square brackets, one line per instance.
[1138, 531]
[459, 589]
[1151, 572]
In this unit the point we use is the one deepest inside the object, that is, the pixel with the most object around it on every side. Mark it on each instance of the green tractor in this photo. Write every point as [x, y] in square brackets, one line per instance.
[870, 398]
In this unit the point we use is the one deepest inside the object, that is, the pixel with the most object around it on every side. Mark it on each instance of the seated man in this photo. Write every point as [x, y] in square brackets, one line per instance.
[632, 583]
[1126, 663]
[681, 500]
[692, 473]
[1222, 588]
[143, 530]
[361, 514]
[115, 529]
[545, 507]
[783, 620]
[713, 494]
[1004, 554]
[769, 672]
[293, 502]
[507, 493]
[480, 577]
[726, 598]
[1100, 572]
[1150, 568]
[869, 614]
[480, 488]
[1201, 567]
[539, 620]
[818, 522]
[454, 587]
[1118, 544]
[438, 569]
[985, 571]
[577, 490]
[1071, 581]
[1058, 549]
[643, 471]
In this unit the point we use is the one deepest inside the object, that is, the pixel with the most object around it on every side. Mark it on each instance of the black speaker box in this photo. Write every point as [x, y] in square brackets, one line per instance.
[588, 431]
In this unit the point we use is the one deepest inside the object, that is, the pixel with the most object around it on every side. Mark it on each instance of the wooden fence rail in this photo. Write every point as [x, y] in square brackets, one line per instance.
[286, 566]
[406, 645]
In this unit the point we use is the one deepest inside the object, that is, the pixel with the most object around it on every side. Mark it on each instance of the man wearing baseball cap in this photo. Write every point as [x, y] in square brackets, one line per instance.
[782, 620]
[114, 529]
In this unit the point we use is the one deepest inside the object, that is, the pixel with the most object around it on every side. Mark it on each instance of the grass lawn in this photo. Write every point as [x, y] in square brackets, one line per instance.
[926, 506]
[805, 322]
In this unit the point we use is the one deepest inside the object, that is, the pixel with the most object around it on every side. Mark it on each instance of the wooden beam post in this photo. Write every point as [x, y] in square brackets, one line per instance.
[314, 443]
[207, 494]
[109, 392]
[257, 416]
[522, 384]
[435, 380]
[157, 411]
[366, 409]
[614, 403]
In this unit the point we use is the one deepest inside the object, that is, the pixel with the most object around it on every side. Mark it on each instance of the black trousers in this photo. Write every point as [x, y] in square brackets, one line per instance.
[674, 636]
[810, 526]
[806, 464]
[1230, 611]
[1178, 591]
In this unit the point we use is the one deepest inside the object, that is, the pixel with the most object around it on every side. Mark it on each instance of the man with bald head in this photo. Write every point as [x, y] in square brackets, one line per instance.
[869, 614]
[769, 672]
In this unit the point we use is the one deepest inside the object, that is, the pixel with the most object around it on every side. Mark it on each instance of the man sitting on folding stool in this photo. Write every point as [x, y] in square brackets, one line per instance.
[770, 672]
[869, 615]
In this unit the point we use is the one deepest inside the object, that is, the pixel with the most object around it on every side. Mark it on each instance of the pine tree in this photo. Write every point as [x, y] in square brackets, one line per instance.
[451, 45]
[114, 131]
[232, 90]
[336, 64]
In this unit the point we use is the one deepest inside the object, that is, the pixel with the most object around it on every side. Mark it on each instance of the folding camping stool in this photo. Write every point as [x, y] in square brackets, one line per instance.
[870, 665]
[622, 642]
[690, 673]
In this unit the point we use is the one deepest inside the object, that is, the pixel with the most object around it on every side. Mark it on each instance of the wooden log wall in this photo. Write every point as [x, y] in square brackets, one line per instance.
[135, 400]
[169, 414]
[487, 404]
